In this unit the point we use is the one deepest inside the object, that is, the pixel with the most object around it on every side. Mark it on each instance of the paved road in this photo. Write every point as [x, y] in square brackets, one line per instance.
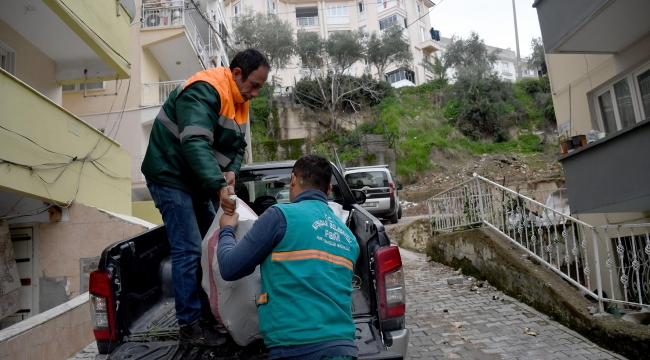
[452, 322]
[474, 326]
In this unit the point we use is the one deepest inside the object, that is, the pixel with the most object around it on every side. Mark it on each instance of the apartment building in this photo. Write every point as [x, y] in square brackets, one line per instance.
[327, 16]
[65, 192]
[505, 66]
[171, 40]
[600, 80]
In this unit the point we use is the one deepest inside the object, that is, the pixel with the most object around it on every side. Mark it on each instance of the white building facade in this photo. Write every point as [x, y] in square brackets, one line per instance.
[328, 16]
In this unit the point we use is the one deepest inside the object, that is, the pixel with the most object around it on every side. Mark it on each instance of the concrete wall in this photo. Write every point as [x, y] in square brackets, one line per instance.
[32, 65]
[485, 254]
[56, 334]
[146, 210]
[30, 114]
[66, 249]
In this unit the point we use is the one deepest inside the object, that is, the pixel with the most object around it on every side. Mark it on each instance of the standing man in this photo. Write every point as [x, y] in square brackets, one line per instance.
[307, 258]
[195, 151]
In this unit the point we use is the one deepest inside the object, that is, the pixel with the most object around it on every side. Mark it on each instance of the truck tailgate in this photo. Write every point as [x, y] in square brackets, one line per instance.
[367, 340]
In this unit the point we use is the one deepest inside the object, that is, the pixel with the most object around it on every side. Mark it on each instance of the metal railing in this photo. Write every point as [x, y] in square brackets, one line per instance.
[158, 92]
[136, 173]
[578, 252]
[307, 21]
[173, 13]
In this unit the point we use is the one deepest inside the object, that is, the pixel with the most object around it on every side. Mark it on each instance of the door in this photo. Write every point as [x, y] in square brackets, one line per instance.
[22, 240]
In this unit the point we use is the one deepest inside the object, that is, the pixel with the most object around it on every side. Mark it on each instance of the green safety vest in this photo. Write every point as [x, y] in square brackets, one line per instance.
[307, 279]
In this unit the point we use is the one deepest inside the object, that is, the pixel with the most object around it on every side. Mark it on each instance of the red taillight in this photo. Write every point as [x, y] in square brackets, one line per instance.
[102, 306]
[392, 189]
[390, 282]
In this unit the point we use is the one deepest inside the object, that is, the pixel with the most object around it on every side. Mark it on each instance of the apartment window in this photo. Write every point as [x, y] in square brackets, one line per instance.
[504, 67]
[92, 86]
[385, 23]
[337, 14]
[270, 7]
[362, 10]
[236, 10]
[7, 58]
[419, 9]
[625, 101]
[364, 31]
[401, 74]
[306, 16]
[423, 34]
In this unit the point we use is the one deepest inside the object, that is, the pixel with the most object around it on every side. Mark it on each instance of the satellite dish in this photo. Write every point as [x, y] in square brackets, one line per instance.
[153, 20]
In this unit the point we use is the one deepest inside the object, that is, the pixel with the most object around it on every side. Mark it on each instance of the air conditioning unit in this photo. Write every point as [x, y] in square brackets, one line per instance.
[153, 20]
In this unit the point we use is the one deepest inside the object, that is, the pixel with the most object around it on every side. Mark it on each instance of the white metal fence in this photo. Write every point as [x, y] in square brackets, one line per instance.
[307, 21]
[611, 263]
[166, 13]
[158, 92]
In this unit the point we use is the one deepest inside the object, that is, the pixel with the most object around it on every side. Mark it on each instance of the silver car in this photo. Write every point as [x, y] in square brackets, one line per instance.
[382, 194]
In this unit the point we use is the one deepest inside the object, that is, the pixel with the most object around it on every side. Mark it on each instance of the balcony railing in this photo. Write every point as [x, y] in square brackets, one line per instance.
[506, 73]
[158, 92]
[385, 5]
[164, 14]
[136, 173]
[611, 264]
[307, 21]
[334, 20]
[161, 14]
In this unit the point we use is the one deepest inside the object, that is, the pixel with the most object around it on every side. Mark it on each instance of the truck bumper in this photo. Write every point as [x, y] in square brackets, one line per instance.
[400, 341]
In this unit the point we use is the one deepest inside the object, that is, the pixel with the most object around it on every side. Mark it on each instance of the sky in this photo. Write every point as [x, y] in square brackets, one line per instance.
[491, 19]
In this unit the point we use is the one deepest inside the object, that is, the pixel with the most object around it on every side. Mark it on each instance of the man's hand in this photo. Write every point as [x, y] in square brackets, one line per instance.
[230, 177]
[231, 220]
[227, 205]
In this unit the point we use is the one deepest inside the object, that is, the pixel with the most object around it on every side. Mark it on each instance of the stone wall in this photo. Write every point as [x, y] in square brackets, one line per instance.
[485, 254]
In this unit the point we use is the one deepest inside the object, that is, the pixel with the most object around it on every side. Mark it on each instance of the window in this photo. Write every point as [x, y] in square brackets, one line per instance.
[307, 16]
[419, 10]
[7, 58]
[504, 68]
[423, 34]
[236, 10]
[337, 14]
[399, 75]
[362, 10]
[625, 101]
[92, 86]
[391, 20]
[270, 7]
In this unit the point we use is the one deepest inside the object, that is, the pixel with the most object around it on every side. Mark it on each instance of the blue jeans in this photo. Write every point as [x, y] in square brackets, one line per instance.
[187, 220]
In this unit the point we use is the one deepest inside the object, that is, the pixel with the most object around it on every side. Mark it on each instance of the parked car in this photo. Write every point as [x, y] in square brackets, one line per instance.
[382, 195]
[132, 299]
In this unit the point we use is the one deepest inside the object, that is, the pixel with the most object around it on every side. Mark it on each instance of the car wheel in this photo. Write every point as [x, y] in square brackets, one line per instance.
[393, 218]
[399, 212]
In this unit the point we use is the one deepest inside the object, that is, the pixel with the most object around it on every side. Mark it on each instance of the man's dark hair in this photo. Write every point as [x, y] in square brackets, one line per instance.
[313, 172]
[248, 61]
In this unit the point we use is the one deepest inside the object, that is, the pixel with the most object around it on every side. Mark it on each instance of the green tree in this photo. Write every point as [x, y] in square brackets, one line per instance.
[470, 53]
[537, 58]
[268, 34]
[388, 49]
[438, 67]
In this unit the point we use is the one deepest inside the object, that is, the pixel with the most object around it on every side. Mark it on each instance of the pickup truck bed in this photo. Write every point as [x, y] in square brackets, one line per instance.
[132, 300]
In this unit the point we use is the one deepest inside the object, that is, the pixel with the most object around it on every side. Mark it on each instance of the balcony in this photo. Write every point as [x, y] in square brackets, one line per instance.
[387, 5]
[428, 46]
[183, 36]
[80, 37]
[307, 21]
[611, 174]
[506, 73]
[592, 26]
[80, 162]
[155, 94]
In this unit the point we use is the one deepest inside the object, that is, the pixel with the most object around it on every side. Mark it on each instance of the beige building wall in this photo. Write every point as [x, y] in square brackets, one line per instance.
[86, 235]
[32, 65]
[286, 10]
[583, 74]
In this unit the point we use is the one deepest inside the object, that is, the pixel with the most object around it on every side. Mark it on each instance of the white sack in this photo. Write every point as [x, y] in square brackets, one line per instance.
[234, 303]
